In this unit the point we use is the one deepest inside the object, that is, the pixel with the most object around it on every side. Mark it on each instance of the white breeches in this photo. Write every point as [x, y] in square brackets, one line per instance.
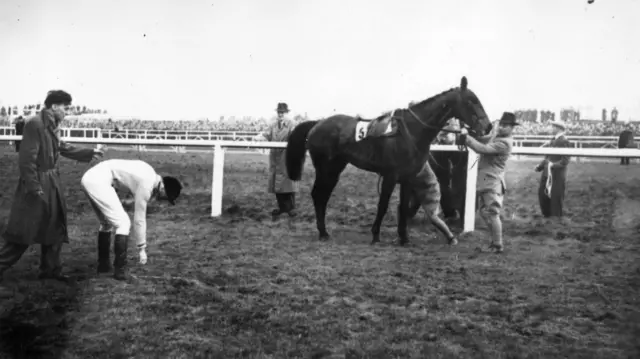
[106, 205]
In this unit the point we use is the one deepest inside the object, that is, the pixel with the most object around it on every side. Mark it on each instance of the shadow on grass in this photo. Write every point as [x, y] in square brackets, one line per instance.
[35, 323]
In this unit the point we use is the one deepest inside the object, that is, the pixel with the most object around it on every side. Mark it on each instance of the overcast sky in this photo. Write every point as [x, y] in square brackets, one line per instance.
[242, 57]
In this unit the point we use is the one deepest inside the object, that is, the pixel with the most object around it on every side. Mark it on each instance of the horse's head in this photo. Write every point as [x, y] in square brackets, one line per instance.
[468, 109]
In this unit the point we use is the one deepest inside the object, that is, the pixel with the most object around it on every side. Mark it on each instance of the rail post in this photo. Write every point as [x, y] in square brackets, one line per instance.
[469, 219]
[216, 180]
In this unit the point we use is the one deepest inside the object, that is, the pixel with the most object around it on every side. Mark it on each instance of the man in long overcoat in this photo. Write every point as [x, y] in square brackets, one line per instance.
[19, 122]
[555, 166]
[39, 209]
[626, 141]
[279, 183]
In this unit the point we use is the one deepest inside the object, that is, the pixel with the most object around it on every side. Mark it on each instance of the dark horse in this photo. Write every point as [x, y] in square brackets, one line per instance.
[395, 145]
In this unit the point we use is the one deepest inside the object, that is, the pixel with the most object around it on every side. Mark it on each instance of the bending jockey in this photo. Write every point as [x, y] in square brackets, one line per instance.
[426, 192]
[447, 166]
[140, 179]
[494, 150]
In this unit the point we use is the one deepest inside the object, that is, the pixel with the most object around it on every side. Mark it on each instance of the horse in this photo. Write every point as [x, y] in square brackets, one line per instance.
[394, 145]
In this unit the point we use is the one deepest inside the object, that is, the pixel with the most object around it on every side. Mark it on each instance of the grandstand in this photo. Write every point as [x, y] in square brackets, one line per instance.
[81, 117]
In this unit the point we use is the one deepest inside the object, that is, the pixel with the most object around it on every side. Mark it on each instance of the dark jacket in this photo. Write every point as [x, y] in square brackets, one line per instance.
[34, 218]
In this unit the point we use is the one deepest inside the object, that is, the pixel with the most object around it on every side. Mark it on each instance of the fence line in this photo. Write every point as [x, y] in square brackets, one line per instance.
[219, 149]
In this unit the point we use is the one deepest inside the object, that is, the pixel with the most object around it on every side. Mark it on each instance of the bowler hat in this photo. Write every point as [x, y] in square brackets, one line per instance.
[508, 118]
[558, 123]
[282, 107]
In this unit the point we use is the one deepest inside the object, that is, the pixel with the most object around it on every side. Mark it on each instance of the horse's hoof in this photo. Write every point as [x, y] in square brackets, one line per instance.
[453, 241]
[375, 241]
[324, 238]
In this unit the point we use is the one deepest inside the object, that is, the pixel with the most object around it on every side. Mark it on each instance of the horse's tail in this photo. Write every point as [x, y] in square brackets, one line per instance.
[297, 148]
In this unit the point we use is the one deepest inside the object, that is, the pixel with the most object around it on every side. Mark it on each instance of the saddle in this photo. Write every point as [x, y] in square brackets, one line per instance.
[383, 126]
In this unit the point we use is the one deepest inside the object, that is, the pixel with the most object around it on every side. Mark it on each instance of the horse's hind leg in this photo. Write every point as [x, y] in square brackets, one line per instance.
[388, 184]
[327, 176]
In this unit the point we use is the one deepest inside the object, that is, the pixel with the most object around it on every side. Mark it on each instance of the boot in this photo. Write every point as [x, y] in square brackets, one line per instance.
[281, 205]
[120, 257]
[5, 292]
[291, 204]
[104, 246]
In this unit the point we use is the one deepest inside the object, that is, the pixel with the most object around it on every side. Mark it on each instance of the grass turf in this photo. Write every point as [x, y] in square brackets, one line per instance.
[244, 286]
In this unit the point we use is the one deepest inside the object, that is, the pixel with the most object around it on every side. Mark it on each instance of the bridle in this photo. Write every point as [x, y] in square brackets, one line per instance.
[459, 136]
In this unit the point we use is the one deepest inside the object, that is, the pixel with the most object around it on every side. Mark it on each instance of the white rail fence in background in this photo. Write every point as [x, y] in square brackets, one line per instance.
[219, 149]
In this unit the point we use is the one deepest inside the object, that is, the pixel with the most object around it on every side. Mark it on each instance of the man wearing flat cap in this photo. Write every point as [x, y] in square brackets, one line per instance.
[494, 150]
[554, 174]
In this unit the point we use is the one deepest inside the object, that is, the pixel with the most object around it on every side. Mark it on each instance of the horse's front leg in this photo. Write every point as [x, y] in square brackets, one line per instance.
[403, 211]
[388, 184]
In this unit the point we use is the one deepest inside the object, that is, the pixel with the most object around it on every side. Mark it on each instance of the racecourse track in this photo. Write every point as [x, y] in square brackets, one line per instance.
[242, 285]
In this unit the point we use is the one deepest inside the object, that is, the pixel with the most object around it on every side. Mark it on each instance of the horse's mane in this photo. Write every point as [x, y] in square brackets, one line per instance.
[421, 103]
[434, 97]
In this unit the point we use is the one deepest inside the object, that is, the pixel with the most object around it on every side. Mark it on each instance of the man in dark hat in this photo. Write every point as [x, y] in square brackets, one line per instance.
[279, 182]
[19, 123]
[494, 150]
[626, 140]
[39, 209]
[554, 174]
[130, 176]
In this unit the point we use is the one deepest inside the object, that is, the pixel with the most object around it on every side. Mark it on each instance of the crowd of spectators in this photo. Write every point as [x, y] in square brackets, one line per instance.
[574, 128]
[29, 110]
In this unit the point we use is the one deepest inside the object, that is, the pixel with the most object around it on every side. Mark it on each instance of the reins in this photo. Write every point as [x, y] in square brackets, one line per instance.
[461, 146]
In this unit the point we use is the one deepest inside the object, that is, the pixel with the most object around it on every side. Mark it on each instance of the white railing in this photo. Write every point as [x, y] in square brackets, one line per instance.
[248, 135]
[220, 146]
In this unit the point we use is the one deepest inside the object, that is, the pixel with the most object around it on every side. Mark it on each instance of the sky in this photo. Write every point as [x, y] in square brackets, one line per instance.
[169, 60]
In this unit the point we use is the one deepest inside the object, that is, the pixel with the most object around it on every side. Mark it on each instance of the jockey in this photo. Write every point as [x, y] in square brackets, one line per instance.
[426, 193]
[140, 179]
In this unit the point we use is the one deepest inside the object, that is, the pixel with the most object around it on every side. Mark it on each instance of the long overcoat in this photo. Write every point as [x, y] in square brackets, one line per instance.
[552, 206]
[279, 182]
[34, 218]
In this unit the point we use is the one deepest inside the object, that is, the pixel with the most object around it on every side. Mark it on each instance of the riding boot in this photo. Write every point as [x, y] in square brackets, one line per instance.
[120, 257]
[104, 246]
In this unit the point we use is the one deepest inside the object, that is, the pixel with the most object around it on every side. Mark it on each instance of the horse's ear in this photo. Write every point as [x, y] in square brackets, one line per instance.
[463, 83]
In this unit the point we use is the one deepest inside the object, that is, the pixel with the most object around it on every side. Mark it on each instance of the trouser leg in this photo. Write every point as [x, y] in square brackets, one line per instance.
[543, 199]
[557, 198]
[10, 253]
[50, 260]
[120, 247]
[490, 207]
[288, 203]
[280, 199]
[106, 204]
